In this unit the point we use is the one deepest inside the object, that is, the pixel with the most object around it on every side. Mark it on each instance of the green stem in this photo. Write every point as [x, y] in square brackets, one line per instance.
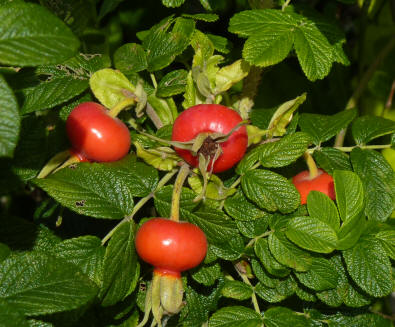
[153, 79]
[252, 241]
[365, 147]
[311, 165]
[253, 297]
[285, 5]
[352, 102]
[140, 204]
[175, 200]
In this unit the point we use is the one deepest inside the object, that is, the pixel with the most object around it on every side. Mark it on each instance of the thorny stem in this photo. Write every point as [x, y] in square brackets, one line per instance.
[362, 85]
[175, 200]
[311, 165]
[253, 297]
[114, 111]
[140, 204]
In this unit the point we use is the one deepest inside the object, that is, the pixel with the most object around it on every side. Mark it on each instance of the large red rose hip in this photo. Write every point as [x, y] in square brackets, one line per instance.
[170, 246]
[95, 135]
[323, 182]
[211, 118]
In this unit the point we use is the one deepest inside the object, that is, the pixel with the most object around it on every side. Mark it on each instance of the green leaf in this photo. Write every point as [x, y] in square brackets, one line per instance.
[163, 46]
[369, 266]
[207, 274]
[239, 208]
[130, 58]
[204, 17]
[10, 119]
[350, 231]
[103, 190]
[321, 207]
[367, 128]
[172, 83]
[284, 317]
[282, 288]
[378, 180]
[172, 3]
[289, 254]
[359, 320]
[221, 44]
[313, 50]
[269, 47]
[235, 316]
[10, 316]
[236, 290]
[312, 234]
[39, 38]
[121, 268]
[4, 251]
[108, 6]
[321, 275]
[48, 285]
[228, 76]
[85, 252]
[349, 194]
[331, 159]
[322, 128]
[387, 240]
[111, 87]
[52, 93]
[283, 152]
[252, 228]
[270, 191]
[264, 255]
[231, 249]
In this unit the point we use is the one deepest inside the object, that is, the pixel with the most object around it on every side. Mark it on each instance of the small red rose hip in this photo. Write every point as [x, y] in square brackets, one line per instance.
[170, 246]
[95, 135]
[211, 118]
[323, 182]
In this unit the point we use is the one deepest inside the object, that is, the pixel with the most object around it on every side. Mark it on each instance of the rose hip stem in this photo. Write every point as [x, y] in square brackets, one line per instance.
[175, 200]
[311, 165]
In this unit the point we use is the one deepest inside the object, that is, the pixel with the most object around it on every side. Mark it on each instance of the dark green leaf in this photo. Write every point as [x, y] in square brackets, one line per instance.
[236, 290]
[4, 251]
[231, 249]
[96, 190]
[322, 128]
[239, 208]
[121, 268]
[107, 7]
[31, 36]
[207, 274]
[350, 231]
[10, 120]
[321, 275]
[321, 207]
[85, 252]
[349, 194]
[283, 152]
[235, 316]
[289, 254]
[282, 289]
[52, 93]
[163, 201]
[204, 17]
[387, 240]
[172, 3]
[379, 183]
[367, 128]
[263, 253]
[10, 316]
[252, 228]
[163, 46]
[369, 266]
[172, 83]
[312, 234]
[284, 317]
[331, 159]
[359, 320]
[130, 58]
[48, 285]
[270, 191]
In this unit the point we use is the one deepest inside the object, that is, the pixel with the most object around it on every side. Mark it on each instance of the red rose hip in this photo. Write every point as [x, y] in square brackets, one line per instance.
[323, 182]
[95, 135]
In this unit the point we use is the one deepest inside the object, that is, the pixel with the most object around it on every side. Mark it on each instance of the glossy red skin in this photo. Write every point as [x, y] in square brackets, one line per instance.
[322, 183]
[170, 246]
[213, 118]
[95, 135]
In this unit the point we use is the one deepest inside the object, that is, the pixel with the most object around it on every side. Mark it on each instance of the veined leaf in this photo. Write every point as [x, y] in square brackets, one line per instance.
[270, 191]
[10, 316]
[369, 266]
[172, 3]
[321, 207]
[349, 194]
[10, 119]
[238, 207]
[130, 58]
[172, 83]
[236, 290]
[48, 285]
[31, 36]
[331, 159]
[235, 316]
[367, 128]
[284, 317]
[263, 253]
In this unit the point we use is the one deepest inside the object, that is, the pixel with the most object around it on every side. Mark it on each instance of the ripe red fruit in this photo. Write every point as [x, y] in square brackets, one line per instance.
[95, 135]
[322, 183]
[170, 246]
[211, 118]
